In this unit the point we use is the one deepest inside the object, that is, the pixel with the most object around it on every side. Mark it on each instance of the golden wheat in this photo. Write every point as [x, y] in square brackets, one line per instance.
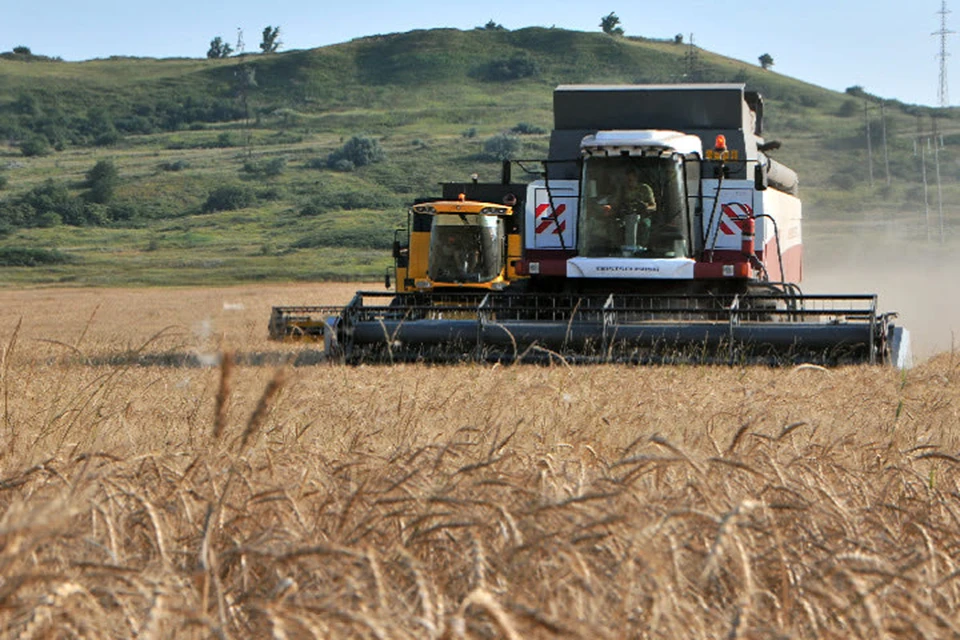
[144, 495]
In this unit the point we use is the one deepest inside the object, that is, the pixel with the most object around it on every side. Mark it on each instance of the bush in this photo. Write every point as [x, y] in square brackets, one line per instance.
[174, 165]
[848, 108]
[126, 212]
[102, 181]
[35, 146]
[32, 257]
[4, 181]
[225, 140]
[341, 165]
[358, 150]
[265, 168]
[502, 147]
[229, 198]
[525, 128]
[843, 181]
[50, 204]
[107, 138]
[313, 208]
[271, 194]
[469, 133]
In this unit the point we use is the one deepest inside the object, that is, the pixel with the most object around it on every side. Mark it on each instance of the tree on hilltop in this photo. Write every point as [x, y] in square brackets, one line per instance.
[219, 48]
[610, 24]
[271, 41]
[766, 61]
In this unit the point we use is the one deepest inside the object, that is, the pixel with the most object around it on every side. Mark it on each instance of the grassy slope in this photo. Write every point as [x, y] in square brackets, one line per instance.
[417, 92]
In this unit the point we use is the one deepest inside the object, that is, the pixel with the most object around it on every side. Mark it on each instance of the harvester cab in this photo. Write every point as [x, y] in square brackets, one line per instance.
[650, 192]
[456, 245]
[634, 199]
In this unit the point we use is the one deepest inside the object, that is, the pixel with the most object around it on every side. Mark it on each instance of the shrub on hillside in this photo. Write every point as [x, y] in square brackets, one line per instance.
[527, 129]
[102, 181]
[262, 168]
[174, 165]
[225, 140]
[341, 164]
[502, 147]
[35, 146]
[32, 257]
[229, 198]
[359, 151]
[848, 108]
[50, 204]
[314, 207]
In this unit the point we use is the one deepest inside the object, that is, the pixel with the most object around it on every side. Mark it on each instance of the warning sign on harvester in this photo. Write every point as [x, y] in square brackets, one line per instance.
[729, 218]
[735, 214]
[552, 218]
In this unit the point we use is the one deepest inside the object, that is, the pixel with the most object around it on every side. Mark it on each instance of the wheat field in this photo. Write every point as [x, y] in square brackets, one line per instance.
[258, 499]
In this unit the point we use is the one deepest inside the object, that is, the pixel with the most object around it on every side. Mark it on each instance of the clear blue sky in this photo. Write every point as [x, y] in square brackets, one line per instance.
[883, 45]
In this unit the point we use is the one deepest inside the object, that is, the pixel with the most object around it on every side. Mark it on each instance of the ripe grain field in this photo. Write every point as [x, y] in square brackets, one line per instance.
[242, 501]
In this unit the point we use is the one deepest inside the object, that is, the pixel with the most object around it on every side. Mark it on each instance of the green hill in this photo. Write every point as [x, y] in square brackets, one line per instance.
[221, 170]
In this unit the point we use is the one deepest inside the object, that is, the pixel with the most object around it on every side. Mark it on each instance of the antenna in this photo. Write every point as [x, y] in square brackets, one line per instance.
[943, 94]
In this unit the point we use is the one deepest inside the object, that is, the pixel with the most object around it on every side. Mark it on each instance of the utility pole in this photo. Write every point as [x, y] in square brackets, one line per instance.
[943, 94]
[866, 118]
[924, 142]
[886, 156]
[936, 159]
[692, 60]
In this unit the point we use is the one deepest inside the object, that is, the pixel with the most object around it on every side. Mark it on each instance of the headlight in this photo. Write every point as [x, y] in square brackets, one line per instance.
[424, 208]
[492, 211]
[498, 286]
[423, 284]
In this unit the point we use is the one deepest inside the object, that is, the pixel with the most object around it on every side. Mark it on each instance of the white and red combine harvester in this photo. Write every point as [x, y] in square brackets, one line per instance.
[657, 230]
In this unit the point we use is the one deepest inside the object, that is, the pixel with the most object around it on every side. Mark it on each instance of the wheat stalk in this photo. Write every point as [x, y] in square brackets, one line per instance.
[223, 395]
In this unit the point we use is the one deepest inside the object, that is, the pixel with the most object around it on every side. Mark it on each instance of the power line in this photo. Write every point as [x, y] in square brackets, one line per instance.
[943, 94]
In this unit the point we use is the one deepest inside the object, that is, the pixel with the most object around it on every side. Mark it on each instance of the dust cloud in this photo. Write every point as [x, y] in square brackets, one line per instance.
[920, 280]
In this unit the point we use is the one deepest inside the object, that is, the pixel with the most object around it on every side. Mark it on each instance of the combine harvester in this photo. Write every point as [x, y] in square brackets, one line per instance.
[658, 230]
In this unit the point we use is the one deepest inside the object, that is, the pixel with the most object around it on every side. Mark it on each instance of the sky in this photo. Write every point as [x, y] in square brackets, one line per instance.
[881, 45]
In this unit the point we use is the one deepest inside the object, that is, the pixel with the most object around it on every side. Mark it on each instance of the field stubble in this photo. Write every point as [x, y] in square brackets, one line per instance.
[470, 501]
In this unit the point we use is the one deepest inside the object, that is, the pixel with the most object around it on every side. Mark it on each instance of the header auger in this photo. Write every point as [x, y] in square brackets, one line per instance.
[657, 230]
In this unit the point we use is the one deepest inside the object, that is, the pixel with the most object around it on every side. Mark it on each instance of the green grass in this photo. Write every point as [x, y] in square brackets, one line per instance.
[417, 93]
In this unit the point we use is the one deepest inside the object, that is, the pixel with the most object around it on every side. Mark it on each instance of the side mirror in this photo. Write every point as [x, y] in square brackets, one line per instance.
[760, 181]
[386, 279]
